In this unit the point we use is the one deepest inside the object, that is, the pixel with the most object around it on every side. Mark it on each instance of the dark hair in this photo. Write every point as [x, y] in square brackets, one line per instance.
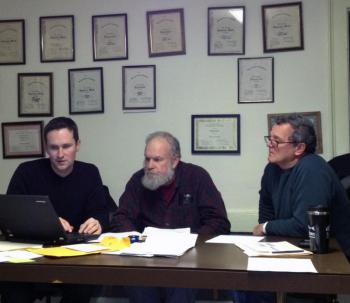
[173, 142]
[304, 131]
[59, 123]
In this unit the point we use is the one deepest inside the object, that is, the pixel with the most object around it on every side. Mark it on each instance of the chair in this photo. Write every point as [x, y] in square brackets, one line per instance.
[341, 166]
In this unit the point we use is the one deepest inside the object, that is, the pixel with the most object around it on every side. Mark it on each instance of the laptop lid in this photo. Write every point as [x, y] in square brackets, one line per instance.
[30, 218]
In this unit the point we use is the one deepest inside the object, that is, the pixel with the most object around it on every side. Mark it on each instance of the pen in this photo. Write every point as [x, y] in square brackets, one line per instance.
[287, 251]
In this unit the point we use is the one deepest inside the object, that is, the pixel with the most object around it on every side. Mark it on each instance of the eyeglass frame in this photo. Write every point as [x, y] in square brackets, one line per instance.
[275, 143]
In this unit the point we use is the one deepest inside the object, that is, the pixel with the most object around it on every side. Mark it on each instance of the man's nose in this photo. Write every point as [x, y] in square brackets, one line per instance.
[60, 152]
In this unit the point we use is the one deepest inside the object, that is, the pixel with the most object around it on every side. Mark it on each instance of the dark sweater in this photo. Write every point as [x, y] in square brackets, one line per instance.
[75, 197]
[286, 195]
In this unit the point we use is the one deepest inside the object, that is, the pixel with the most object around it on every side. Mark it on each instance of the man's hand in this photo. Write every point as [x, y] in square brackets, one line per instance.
[258, 230]
[66, 226]
[90, 226]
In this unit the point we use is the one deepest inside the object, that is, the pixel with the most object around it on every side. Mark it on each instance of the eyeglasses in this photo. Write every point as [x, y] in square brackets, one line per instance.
[274, 142]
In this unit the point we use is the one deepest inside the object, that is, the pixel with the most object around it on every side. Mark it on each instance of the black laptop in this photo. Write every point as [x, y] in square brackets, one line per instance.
[32, 218]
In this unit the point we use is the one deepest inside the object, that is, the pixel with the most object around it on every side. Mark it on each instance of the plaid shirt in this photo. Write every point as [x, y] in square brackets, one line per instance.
[195, 203]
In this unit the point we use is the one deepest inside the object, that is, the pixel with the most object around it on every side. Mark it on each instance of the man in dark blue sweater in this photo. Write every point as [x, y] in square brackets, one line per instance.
[77, 194]
[294, 180]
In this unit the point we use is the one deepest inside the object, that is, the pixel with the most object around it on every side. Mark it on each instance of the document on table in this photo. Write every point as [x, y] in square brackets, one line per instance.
[234, 239]
[161, 242]
[281, 265]
[7, 245]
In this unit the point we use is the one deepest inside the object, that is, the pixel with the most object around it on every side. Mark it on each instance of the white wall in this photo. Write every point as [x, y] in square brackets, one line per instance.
[188, 84]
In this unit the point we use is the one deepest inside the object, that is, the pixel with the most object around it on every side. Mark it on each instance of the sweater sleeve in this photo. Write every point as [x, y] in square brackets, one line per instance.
[266, 211]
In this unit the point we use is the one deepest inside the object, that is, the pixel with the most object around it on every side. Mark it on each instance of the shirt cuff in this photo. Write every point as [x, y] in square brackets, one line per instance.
[264, 227]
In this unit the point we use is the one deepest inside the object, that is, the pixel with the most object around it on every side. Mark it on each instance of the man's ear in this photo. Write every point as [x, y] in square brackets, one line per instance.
[300, 149]
[78, 145]
[175, 162]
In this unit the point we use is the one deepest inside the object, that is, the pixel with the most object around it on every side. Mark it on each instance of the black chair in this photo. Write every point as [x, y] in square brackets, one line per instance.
[341, 166]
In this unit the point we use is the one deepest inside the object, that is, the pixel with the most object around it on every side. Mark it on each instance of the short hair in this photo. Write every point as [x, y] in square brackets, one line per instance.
[304, 131]
[59, 123]
[173, 142]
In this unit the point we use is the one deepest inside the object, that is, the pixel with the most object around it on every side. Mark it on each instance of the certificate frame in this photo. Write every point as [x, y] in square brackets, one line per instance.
[57, 42]
[86, 95]
[109, 37]
[256, 80]
[166, 32]
[215, 134]
[22, 139]
[226, 30]
[35, 94]
[282, 27]
[12, 42]
[139, 87]
[315, 118]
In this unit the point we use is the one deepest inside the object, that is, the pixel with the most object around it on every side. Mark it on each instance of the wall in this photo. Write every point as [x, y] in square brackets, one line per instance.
[188, 84]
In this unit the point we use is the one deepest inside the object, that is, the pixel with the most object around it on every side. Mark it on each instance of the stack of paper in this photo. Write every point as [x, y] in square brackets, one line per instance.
[161, 242]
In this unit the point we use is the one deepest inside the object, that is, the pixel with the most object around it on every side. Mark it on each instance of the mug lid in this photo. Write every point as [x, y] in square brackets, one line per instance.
[319, 210]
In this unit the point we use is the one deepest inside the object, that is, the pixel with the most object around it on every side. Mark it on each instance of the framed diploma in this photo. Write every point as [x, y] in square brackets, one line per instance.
[282, 27]
[139, 87]
[86, 90]
[166, 32]
[256, 80]
[218, 134]
[226, 30]
[57, 39]
[12, 42]
[110, 37]
[35, 94]
[314, 117]
[22, 139]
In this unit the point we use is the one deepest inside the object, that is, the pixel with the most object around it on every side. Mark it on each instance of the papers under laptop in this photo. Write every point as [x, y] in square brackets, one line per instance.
[32, 218]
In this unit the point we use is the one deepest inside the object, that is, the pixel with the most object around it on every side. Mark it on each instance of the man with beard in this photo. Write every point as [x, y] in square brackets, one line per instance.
[168, 193]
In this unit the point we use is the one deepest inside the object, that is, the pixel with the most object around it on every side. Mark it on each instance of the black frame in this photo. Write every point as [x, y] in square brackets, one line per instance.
[211, 151]
[4, 125]
[38, 114]
[264, 8]
[41, 19]
[70, 76]
[153, 67]
[210, 53]
[22, 26]
[179, 11]
[94, 42]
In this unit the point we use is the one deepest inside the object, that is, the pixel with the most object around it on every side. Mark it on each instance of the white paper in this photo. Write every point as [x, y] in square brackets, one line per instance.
[6, 256]
[281, 265]
[6, 245]
[85, 247]
[234, 239]
[116, 235]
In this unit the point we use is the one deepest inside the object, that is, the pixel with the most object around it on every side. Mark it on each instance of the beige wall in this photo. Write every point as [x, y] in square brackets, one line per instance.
[189, 84]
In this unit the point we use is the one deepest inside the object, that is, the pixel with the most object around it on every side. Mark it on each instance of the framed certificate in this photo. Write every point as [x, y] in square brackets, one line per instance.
[110, 37]
[57, 39]
[215, 134]
[226, 30]
[35, 94]
[12, 42]
[22, 139]
[314, 117]
[256, 80]
[85, 90]
[139, 87]
[166, 32]
[282, 27]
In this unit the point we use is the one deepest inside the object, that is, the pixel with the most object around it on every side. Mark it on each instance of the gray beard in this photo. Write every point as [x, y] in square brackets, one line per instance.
[154, 181]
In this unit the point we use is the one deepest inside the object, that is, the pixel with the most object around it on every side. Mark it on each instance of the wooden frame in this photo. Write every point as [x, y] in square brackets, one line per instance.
[226, 30]
[57, 42]
[12, 42]
[315, 118]
[256, 80]
[110, 37]
[139, 87]
[86, 90]
[215, 134]
[166, 32]
[282, 27]
[22, 139]
[35, 94]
